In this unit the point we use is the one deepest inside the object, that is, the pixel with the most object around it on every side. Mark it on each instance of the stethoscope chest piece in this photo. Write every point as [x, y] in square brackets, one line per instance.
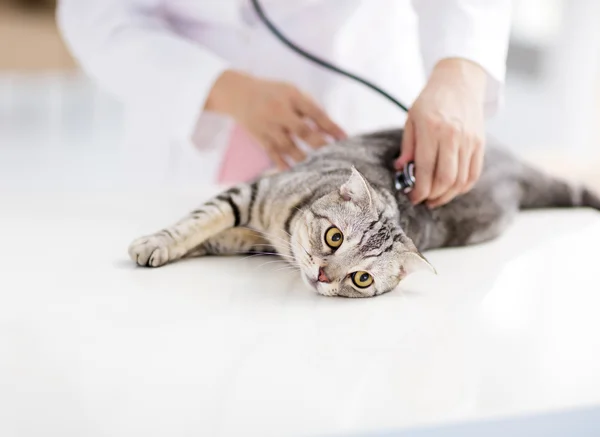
[404, 180]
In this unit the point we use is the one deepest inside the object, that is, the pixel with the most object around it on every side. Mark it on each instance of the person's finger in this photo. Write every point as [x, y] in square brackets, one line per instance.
[426, 150]
[315, 140]
[407, 150]
[446, 169]
[464, 175]
[307, 108]
[285, 145]
[292, 150]
[476, 167]
[464, 162]
[302, 130]
[464, 167]
[273, 152]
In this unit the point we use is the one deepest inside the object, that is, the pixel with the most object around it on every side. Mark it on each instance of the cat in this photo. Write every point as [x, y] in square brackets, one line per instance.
[337, 216]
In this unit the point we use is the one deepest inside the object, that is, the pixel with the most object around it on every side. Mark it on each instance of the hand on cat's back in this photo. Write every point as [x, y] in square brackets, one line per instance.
[444, 133]
[274, 113]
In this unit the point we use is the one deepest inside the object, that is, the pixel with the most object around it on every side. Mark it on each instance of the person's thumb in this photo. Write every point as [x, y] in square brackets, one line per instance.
[408, 146]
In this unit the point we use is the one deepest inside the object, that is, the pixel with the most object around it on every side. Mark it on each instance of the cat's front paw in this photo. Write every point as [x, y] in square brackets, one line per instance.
[150, 251]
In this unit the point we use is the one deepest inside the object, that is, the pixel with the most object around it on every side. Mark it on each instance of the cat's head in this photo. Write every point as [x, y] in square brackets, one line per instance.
[349, 243]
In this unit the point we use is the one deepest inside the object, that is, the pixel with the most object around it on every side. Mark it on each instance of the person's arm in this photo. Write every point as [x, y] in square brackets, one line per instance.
[132, 53]
[464, 45]
[474, 30]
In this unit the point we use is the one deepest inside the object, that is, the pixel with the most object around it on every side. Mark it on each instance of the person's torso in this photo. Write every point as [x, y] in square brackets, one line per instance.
[232, 29]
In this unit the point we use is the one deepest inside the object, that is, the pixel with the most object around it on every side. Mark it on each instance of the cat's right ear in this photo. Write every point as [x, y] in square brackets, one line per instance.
[357, 189]
[412, 262]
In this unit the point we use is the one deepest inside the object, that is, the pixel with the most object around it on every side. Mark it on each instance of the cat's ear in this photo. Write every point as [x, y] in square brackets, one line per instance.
[413, 261]
[357, 189]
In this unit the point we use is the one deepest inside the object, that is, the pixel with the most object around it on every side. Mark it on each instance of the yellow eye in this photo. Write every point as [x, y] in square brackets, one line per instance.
[334, 237]
[362, 279]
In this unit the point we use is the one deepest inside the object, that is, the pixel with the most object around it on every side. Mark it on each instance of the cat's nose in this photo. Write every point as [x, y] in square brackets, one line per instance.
[322, 276]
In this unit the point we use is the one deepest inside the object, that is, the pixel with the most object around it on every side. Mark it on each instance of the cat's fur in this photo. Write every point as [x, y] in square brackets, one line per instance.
[350, 185]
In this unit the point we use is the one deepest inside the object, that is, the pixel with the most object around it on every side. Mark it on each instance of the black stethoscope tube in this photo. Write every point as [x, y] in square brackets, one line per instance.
[404, 180]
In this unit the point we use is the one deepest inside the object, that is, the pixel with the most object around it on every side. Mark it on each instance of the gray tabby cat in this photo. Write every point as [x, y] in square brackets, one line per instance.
[337, 216]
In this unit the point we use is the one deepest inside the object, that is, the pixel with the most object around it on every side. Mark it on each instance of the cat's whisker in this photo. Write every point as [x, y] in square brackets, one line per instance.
[303, 248]
[252, 252]
[286, 258]
[294, 265]
[268, 235]
[291, 263]
[273, 262]
[287, 243]
[259, 253]
[299, 210]
[283, 255]
[289, 270]
[300, 244]
[275, 238]
[284, 269]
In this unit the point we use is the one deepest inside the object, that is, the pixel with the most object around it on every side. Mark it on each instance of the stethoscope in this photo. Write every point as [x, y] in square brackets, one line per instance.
[404, 180]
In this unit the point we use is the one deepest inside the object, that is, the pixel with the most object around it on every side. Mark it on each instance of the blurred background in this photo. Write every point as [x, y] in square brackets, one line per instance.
[52, 117]
[55, 125]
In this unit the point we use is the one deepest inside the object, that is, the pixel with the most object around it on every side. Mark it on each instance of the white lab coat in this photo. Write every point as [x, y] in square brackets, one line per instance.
[161, 57]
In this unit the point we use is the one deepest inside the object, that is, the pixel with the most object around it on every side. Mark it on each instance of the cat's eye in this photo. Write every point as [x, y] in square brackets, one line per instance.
[334, 237]
[362, 279]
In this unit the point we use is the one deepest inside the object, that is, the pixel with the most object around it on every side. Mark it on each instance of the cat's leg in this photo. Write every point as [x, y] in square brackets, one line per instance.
[490, 208]
[229, 209]
[506, 185]
[234, 241]
[541, 190]
[524, 188]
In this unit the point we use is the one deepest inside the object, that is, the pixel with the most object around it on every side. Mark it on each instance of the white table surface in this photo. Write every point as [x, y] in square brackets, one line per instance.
[92, 346]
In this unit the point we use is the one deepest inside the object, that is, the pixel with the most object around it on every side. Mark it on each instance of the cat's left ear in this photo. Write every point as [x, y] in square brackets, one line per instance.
[413, 261]
[357, 189]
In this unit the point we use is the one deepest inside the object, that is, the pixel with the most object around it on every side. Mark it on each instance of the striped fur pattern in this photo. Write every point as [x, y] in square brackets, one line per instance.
[348, 187]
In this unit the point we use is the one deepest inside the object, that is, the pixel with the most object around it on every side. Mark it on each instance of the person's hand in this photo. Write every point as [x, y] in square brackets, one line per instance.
[444, 133]
[274, 113]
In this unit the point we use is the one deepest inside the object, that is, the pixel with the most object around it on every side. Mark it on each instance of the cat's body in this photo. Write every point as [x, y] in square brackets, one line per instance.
[337, 216]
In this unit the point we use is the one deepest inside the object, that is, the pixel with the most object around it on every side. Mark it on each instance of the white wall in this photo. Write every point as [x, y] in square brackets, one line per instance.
[555, 107]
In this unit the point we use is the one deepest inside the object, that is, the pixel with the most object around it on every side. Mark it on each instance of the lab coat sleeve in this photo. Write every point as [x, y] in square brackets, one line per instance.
[477, 30]
[133, 54]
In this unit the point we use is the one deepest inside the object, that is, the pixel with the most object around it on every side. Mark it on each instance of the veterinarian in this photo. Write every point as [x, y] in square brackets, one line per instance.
[210, 95]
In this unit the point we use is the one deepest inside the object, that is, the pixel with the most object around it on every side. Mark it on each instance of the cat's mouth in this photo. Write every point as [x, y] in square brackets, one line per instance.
[312, 282]
[317, 286]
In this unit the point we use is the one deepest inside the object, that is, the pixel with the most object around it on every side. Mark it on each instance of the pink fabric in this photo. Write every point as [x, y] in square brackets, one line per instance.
[243, 160]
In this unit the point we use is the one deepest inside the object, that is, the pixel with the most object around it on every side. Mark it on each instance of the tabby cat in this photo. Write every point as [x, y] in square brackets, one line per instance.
[338, 217]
